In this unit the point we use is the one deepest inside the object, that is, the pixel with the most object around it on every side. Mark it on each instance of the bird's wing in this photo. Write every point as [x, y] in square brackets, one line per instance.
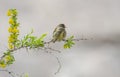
[64, 35]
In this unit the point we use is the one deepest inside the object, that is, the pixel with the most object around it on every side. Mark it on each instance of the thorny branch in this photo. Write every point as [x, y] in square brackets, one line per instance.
[12, 74]
[58, 70]
[47, 49]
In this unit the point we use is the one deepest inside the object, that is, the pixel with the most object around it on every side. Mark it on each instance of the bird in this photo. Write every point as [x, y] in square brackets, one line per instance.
[59, 33]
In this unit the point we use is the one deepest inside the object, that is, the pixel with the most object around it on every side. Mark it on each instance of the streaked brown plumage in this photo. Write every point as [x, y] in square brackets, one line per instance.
[59, 33]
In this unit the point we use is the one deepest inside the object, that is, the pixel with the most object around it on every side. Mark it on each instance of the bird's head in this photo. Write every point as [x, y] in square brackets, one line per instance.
[62, 25]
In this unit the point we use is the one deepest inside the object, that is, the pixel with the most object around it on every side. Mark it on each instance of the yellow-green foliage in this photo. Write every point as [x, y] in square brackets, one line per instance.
[69, 42]
[29, 41]
[32, 41]
[7, 59]
[13, 29]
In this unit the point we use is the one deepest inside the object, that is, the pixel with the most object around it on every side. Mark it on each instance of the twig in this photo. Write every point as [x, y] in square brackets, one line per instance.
[15, 49]
[48, 42]
[9, 72]
[49, 48]
[42, 48]
[58, 70]
[12, 74]
[11, 51]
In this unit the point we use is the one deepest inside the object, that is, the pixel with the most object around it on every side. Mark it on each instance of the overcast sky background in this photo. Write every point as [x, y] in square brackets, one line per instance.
[96, 19]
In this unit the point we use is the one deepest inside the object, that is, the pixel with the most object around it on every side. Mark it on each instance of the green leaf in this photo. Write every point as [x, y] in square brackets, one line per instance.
[69, 43]
[33, 41]
[7, 53]
[42, 36]
[12, 59]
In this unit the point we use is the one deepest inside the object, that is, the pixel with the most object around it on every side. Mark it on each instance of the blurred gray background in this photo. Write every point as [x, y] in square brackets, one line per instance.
[96, 19]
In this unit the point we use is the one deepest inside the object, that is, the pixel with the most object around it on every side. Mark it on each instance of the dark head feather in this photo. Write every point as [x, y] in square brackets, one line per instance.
[61, 25]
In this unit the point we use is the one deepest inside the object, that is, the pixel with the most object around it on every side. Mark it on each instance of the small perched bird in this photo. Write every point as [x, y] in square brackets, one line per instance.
[59, 33]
